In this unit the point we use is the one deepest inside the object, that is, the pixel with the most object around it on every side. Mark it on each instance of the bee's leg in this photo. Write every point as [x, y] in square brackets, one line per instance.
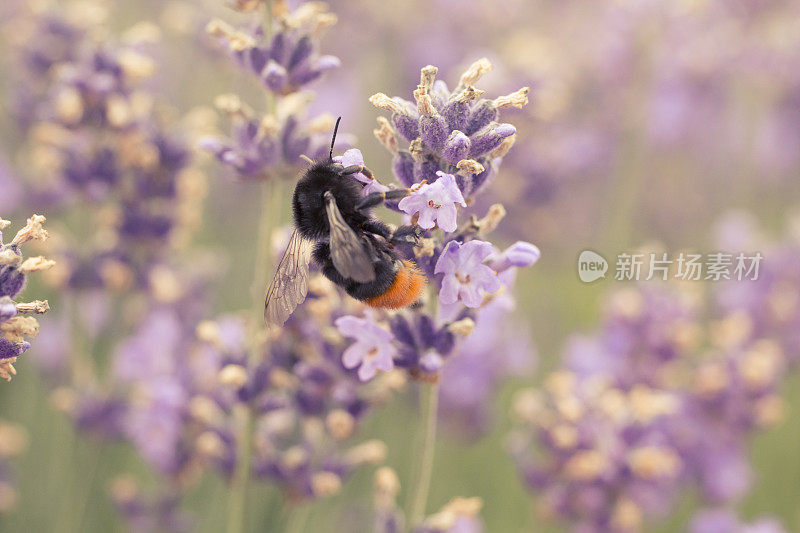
[408, 234]
[378, 228]
[356, 169]
[376, 198]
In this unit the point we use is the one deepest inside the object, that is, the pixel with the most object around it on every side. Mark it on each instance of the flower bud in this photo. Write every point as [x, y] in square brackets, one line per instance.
[456, 147]
[433, 130]
[407, 125]
[301, 52]
[490, 138]
[431, 362]
[11, 281]
[456, 113]
[518, 255]
[277, 49]
[425, 170]
[274, 76]
[483, 114]
[481, 179]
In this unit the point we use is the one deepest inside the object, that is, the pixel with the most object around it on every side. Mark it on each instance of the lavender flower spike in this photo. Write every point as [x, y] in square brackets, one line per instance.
[14, 326]
[465, 275]
[455, 132]
[435, 203]
[372, 350]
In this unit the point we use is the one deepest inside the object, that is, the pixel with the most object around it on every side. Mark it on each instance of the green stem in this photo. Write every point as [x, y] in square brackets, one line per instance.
[298, 518]
[81, 368]
[419, 493]
[87, 487]
[68, 452]
[270, 215]
[271, 202]
[241, 476]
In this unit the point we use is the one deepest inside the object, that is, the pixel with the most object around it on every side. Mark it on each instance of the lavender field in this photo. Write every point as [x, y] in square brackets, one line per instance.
[400, 267]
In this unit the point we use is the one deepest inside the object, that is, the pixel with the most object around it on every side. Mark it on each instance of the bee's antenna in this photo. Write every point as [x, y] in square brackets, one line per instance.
[335, 129]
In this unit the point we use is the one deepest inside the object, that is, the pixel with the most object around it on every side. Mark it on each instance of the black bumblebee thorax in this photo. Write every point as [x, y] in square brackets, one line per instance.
[308, 202]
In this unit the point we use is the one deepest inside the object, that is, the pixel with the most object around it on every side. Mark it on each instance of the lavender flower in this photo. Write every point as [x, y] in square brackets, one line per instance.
[271, 146]
[261, 148]
[104, 143]
[307, 404]
[424, 342]
[466, 278]
[354, 157]
[733, 395]
[422, 345]
[290, 60]
[14, 324]
[769, 305]
[155, 421]
[150, 191]
[435, 203]
[99, 139]
[454, 132]
[607, 462]
[55, 37]
[622, 437]
[372, 350]
[143, 513]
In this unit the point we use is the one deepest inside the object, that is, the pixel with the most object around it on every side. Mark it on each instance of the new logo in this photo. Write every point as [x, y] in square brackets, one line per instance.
[591, 266]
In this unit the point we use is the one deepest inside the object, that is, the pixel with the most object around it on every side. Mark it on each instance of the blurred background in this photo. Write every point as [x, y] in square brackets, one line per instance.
[652, 125]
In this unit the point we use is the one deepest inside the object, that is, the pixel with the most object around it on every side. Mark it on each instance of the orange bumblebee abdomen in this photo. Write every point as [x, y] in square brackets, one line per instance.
[408, 284]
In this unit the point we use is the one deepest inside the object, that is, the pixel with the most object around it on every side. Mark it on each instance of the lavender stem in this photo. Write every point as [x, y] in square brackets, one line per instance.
[270, 216]
[419, 492]
[298, 518]
[241, 477]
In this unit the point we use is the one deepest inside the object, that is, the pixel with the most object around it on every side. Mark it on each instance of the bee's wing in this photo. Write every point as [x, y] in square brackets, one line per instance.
[347, 251]
[290, 284]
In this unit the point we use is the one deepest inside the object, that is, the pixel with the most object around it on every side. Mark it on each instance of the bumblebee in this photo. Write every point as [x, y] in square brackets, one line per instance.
[334, 225]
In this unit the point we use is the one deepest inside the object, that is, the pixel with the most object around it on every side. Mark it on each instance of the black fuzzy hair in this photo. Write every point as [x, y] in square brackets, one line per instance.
[308, 203]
